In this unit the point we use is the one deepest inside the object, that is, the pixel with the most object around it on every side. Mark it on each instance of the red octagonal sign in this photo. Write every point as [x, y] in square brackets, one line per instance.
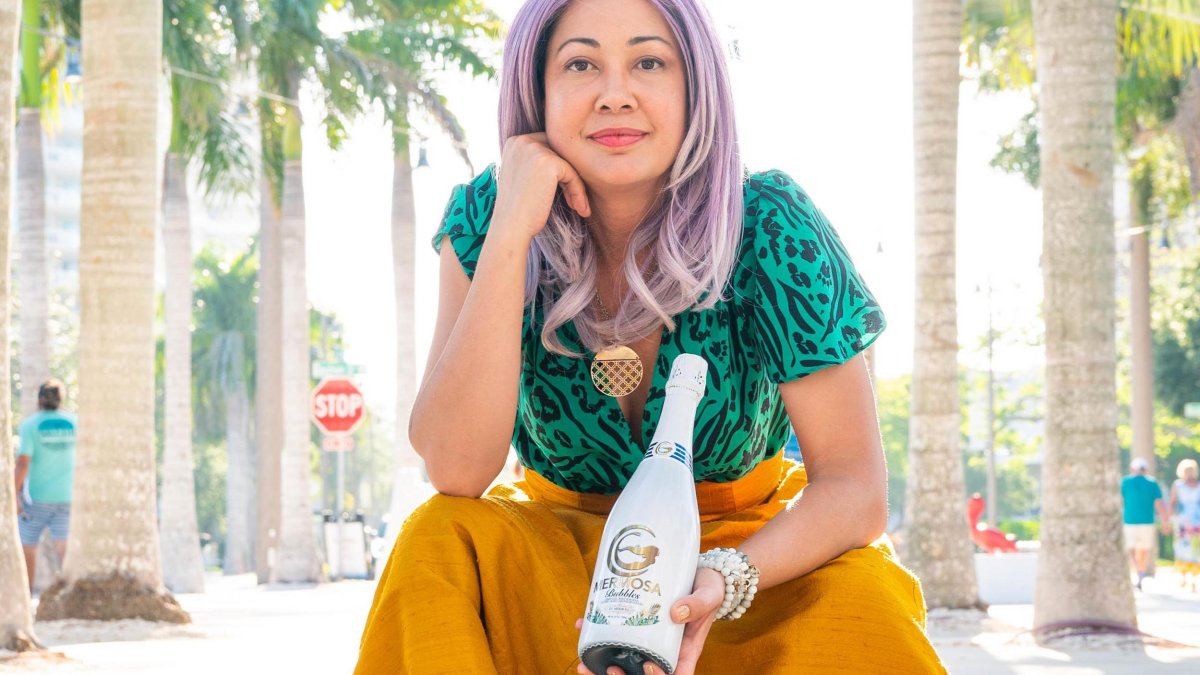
[337, 406]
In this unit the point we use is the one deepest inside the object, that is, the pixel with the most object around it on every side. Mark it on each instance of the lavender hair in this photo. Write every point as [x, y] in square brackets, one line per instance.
[691, 236]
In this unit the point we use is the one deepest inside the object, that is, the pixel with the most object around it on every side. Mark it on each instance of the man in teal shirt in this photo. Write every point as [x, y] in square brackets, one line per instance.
[1142, 496]
[44, 475]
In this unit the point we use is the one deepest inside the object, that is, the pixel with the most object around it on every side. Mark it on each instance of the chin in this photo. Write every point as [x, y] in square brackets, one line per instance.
[616, 175]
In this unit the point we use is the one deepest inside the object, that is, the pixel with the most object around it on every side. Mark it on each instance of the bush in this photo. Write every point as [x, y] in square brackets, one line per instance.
[1023, 530]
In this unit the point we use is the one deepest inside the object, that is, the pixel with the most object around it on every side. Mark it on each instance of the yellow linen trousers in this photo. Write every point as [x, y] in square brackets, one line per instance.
[495, 585]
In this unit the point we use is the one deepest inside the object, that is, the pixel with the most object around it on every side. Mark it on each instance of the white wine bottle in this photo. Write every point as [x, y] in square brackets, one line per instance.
[647, 556]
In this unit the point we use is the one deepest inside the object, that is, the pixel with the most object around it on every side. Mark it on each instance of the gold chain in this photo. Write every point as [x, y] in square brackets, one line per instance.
[616, 371]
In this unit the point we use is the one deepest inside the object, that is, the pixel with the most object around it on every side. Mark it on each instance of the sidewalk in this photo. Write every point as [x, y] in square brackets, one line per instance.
[999, 642]
[242, 628]
[238, 627]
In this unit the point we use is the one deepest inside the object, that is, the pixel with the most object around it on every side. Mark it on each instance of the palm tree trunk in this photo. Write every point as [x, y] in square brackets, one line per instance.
[268, 407]
[31, 242]
[297, 540]
[16, 615]
[1082, 571]
[1141, 342]
[112, 568]
[404, 227]
[239, 483]
[409, 488]
[936, 540]
[183, 569]
[31, 215]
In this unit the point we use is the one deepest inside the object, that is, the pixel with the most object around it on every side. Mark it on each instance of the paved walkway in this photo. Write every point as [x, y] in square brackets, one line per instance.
[242, 628]
[999, 642]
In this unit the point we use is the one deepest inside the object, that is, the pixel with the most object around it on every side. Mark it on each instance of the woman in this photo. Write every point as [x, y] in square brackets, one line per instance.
[620, 215]
[1185, 505]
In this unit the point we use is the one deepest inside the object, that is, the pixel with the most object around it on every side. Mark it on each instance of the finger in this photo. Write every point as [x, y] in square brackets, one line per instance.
[702, 602]
[693, 643]
[574, 190]
[578, 624]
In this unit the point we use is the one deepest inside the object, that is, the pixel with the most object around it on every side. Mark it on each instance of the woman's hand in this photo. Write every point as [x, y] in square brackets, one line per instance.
[698, 611]
[530, 175]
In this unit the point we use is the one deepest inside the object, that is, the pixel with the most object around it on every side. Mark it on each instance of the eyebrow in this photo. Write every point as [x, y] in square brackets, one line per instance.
[595, 44]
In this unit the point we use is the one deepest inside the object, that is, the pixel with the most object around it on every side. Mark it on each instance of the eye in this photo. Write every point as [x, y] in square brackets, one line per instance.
[650, 64]
[578, 66]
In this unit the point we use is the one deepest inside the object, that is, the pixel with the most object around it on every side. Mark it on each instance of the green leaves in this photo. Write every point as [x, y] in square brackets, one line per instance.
[403, 43]
[199, 48]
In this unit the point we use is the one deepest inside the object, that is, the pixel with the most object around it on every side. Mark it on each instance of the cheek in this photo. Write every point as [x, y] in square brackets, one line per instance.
[561, 122]
[674, 120]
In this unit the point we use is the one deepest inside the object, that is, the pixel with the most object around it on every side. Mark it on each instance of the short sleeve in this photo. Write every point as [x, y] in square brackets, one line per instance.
[467, 217]
[811, 308]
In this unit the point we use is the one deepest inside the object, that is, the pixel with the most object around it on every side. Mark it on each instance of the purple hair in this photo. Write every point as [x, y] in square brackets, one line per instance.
[691, 237]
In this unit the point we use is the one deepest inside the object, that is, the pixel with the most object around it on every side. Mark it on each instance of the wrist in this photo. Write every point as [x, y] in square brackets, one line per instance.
[740, 578]
[511, 232]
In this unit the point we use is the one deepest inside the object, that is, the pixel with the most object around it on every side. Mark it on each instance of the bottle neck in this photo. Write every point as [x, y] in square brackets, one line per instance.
[675, 432]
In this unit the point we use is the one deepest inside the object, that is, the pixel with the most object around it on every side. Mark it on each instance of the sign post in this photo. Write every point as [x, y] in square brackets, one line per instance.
[337, 409]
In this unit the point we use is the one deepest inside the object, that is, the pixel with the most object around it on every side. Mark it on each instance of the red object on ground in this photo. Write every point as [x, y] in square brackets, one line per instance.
[989, 539]
[337, 406]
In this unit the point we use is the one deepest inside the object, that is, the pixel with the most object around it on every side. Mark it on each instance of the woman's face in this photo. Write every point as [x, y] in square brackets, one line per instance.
[615, 92]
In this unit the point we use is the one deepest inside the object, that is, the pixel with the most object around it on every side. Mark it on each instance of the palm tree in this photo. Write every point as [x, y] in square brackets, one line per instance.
[203, 131]
[1158, 48]
[224, 325]
[936, 540]
[402, 43]
[40, 78]
[112, 568]
[290, 48]
[31, 213]
[268, 409]
[1081, 517]
[16, 616]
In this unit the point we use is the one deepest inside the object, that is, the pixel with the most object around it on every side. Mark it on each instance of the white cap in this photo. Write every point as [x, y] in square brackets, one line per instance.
[1139, 464]
[689, 372]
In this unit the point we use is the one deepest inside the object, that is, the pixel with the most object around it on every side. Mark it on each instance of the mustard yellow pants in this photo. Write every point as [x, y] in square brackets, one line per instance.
[494, 585]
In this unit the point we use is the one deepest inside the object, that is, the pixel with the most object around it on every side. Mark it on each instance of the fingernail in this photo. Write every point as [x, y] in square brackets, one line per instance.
[683, 612]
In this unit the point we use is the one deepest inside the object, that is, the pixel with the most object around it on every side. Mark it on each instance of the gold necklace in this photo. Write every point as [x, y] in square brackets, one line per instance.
[616, 371]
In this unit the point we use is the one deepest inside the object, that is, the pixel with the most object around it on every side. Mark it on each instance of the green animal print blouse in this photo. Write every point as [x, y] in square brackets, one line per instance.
[796, 305]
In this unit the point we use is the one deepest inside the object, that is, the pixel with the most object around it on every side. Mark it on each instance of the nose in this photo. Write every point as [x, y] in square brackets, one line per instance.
[616, 94]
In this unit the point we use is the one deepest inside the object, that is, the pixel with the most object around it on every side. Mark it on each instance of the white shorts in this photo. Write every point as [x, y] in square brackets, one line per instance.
[1140, 537]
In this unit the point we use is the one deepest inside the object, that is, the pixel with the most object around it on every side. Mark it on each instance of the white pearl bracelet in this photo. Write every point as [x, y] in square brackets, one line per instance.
[741, 580]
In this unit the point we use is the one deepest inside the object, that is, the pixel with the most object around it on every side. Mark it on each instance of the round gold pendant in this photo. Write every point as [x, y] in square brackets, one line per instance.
[617, 371]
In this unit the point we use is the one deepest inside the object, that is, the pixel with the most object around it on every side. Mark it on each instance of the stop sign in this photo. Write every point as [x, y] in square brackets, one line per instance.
[337, 406]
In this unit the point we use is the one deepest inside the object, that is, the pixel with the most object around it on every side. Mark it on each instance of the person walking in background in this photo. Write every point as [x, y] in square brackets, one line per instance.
[44, 474]
[1142, 497]
[1185, 506]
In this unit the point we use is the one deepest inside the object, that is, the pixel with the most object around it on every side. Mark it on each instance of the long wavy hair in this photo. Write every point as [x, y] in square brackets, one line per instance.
[691, 235]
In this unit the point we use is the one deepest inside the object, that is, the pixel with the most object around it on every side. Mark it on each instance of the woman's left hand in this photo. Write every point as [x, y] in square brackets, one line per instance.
[697, 611]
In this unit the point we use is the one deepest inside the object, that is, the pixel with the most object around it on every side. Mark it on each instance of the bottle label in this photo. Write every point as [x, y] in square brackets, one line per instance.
[631, 596]
[675, 451]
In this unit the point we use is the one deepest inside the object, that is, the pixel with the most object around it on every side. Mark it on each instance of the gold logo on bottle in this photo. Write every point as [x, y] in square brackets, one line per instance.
[631, 552]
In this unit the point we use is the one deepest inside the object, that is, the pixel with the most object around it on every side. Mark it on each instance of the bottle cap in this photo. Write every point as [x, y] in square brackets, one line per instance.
[689, 372]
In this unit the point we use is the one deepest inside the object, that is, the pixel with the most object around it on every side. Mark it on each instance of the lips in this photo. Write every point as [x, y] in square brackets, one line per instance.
[617, 138]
